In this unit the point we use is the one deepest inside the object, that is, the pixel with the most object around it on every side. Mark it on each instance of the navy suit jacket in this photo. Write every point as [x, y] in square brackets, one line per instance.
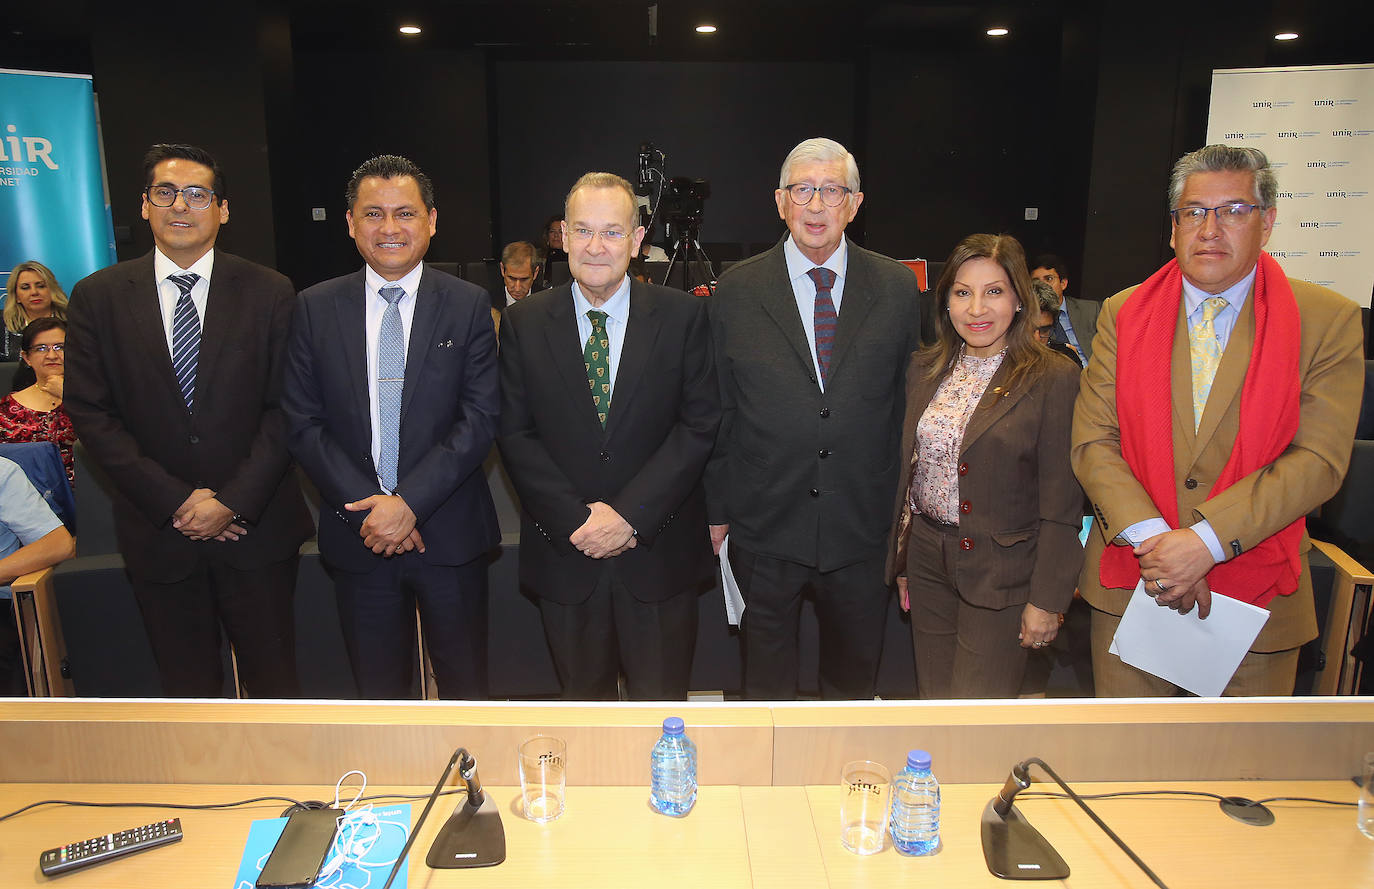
[646, 463]
[122, 396]
[449, 407]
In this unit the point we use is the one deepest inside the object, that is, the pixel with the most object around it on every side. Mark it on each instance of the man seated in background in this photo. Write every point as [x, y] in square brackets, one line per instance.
[1075, 319]
[31, 538]
[519, 268]
[1044, 327]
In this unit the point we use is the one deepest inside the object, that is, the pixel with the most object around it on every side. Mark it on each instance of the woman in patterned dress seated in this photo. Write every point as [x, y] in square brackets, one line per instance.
[35, 413]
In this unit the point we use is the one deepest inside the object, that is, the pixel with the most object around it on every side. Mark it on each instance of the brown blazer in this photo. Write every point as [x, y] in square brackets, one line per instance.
[1020, 507]
[1306, 475]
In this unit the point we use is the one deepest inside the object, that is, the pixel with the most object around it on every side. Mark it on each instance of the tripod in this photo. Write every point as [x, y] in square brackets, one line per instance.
[688, 246]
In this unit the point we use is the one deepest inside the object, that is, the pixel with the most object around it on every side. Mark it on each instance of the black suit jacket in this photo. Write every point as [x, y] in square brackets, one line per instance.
[448, 416]
[128, 411]
[799, 474]
[646, 464]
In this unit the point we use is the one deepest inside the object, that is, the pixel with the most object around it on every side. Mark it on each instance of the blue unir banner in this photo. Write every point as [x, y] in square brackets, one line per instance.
[52, 197]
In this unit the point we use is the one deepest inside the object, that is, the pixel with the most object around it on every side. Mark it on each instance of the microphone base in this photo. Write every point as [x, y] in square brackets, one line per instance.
[1014, 850]
[472, 837]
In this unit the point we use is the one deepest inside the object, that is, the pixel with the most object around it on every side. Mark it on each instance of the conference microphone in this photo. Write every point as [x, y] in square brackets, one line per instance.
[1014, 850]
[472, 836]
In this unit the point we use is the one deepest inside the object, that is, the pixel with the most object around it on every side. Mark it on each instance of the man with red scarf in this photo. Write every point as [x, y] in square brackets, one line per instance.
[1205, 489]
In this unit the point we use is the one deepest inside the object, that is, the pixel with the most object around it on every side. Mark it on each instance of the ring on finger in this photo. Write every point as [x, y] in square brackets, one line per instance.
[1160, 586]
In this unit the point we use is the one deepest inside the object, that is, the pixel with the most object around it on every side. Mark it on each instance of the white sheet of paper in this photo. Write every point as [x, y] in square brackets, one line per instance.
[1198, 655]
[734, 602]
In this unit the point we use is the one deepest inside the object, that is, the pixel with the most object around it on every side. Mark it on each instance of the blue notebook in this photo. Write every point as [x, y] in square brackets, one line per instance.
[364, 850]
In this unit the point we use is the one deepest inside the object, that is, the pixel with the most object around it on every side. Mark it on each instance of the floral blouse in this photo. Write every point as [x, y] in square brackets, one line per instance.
[940, 437]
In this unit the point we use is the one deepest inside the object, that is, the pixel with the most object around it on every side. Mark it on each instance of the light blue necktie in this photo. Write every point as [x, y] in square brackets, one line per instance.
[391, 376]
[185, 338]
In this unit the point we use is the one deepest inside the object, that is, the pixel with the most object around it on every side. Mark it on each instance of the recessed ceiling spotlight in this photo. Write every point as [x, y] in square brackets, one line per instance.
[410, 30]
[997, 32]
[706, 29]
[1286, 35]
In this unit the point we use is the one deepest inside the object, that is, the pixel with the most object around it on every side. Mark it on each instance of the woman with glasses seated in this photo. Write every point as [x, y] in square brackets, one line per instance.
[985, 548]
[32, 292]
[35, 413]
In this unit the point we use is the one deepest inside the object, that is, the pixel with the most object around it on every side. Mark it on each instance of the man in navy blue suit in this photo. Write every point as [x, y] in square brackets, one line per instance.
[391, 397]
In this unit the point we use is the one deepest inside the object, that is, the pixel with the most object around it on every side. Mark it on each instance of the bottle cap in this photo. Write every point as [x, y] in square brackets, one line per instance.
[918, 759]
[672, 725]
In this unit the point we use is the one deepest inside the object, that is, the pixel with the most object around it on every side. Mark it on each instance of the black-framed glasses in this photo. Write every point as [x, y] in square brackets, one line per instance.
[43, 348]
[831, 195]
[1228, 215]
[196, 197]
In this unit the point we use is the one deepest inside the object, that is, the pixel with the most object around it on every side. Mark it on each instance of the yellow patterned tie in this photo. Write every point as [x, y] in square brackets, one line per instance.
[1206, 351]
[597, 356]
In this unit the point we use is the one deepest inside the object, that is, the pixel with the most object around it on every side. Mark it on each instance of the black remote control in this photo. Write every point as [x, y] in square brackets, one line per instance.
[111, 845]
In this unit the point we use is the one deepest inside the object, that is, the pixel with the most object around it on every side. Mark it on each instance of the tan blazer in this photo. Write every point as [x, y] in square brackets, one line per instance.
[1306, 475]
[1020, 507]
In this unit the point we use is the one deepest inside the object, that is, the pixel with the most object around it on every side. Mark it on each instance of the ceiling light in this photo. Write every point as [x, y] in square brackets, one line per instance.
[706, 29]
[997, 32]
[1286, 35]
[410, 30]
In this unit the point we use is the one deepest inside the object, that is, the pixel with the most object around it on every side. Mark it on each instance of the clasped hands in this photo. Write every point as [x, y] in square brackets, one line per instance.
[1174, 566]
[202, 517]
[604, 534]
[390, 525]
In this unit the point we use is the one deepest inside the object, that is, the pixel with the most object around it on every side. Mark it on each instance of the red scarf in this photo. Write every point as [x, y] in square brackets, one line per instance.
[1269, 400]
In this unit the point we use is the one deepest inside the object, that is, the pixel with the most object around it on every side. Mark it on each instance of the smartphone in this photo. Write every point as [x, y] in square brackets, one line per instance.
[300, 851]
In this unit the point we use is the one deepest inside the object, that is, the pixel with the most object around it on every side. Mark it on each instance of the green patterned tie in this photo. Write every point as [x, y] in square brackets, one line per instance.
[1206, 353]
[597, 355]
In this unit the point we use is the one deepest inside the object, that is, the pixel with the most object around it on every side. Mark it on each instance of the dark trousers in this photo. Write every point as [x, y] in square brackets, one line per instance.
[254, 606]
[851, 609]
[377, 614]
[594, 640]
[962, 650]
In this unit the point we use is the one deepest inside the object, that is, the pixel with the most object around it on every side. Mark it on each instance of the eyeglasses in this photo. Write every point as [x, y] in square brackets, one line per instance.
[586, 234]
[44, 348]
[1228, 215]
[196, 197]
[831, 195]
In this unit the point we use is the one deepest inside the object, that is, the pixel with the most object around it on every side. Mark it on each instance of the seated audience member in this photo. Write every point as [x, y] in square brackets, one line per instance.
[648, 250]
[1076, 318]
[32, 292]
[35, 413]
[31, 538]
[1044, 328]
[552, 238]
[985, 552]
[519, 269]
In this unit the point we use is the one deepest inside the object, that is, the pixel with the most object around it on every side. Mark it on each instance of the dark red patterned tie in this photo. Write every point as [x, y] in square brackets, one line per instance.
[826, 318]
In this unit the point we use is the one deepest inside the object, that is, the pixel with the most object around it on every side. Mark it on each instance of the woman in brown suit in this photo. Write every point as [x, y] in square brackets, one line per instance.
[986, 552]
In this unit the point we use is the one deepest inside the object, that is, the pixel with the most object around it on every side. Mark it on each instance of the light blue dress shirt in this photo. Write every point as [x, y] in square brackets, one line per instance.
[804, 289]
[617, 310]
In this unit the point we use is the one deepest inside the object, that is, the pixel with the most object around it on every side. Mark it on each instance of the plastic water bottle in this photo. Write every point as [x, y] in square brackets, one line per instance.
[915, 814]
[673, 770]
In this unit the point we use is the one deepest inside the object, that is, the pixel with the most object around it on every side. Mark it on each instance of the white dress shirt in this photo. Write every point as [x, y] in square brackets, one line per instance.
[1223, 324]
[376, 307]
[168, 293]
[804, 289]
[617, 310]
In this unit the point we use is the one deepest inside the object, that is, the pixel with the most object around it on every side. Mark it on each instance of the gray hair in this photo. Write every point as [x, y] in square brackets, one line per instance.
[1226, 159]
[823, 151]
[602, 180]
[519, 251]
[1045, 296]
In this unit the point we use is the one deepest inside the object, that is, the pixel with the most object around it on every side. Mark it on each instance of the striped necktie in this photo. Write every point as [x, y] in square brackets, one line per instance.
[391, 378]
[185, 338]
[826, 318]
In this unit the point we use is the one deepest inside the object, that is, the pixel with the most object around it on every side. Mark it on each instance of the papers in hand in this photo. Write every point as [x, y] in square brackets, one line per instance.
[1198, 655]
[734, 602]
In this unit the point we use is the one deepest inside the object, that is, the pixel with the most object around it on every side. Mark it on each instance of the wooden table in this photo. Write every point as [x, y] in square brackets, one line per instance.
[738, 837]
